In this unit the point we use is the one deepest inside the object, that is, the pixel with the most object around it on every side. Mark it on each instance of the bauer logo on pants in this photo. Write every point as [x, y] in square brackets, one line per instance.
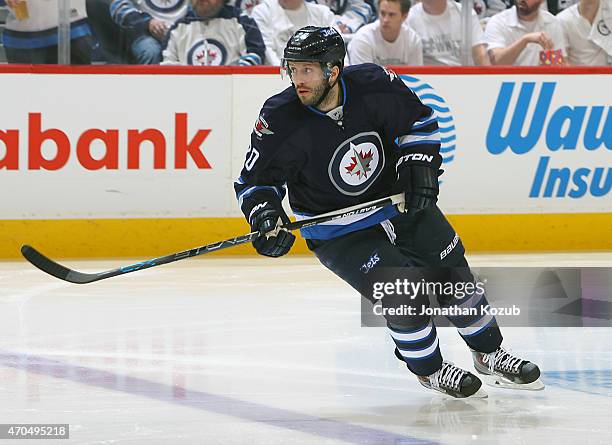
[356, 163]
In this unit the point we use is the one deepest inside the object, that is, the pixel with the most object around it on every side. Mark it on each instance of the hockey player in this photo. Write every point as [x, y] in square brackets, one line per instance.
[340, 137]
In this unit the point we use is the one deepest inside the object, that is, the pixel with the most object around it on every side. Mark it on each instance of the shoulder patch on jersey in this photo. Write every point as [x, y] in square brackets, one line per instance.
[370, 78]
[390, 73]
[261, 127]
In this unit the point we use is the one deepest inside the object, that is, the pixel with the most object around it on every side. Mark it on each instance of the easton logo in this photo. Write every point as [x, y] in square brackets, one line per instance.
[415, 157]
[356, 163]
[355, 212]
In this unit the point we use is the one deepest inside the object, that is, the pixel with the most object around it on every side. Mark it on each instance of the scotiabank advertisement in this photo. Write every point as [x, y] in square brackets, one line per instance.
[170, 145]
[81, 146]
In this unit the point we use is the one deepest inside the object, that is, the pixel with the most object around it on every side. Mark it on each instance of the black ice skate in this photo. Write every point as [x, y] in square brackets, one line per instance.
[454, 381]
[504, 370]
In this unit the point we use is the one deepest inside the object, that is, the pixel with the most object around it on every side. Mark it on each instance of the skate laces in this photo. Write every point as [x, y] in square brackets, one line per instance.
[449, 376]
[502, 360]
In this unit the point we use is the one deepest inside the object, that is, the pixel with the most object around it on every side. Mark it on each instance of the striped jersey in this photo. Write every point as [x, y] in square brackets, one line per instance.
[331, 161]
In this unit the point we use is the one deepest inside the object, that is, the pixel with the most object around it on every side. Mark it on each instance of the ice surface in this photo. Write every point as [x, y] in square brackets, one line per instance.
[260, 351]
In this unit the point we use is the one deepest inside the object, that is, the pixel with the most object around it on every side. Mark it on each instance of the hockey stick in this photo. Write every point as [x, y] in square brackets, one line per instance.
[63, 273]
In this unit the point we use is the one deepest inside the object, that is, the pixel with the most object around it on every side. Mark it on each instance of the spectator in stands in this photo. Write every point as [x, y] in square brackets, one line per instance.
[246, 6]
[588, 29]
[438, 24]
[525, 35]
[146, 24]
[488, 8]
[350, 14]
[214, 33]
[106, 32]
[32, 38]
[278, 20]
[387, 41]
[556, 6]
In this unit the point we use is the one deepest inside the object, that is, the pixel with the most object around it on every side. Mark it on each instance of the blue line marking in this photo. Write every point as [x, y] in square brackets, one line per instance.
[589, 381]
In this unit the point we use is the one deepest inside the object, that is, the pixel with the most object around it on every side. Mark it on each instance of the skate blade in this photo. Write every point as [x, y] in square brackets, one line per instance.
[501, 382]
[480, 394]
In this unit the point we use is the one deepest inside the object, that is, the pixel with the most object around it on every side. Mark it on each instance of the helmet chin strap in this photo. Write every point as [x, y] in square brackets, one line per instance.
[326, 91]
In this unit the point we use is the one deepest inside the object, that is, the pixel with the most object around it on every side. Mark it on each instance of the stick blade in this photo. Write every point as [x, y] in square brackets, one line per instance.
[49, 266]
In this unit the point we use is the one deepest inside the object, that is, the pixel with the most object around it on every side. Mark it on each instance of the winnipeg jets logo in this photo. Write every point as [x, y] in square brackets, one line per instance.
[261, 127]
[602, 28]
[206, 53]
[356, 163]
[360, 162]
[165, 5]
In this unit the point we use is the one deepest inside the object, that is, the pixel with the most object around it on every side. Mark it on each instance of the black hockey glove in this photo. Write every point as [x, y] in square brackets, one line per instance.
[420, 186]
[265, 217]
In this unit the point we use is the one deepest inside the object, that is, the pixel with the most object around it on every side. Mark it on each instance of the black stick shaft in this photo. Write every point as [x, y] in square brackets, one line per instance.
[51, 267]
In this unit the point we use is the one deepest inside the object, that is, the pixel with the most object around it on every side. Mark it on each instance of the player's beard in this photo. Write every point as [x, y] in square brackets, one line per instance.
[316, 91]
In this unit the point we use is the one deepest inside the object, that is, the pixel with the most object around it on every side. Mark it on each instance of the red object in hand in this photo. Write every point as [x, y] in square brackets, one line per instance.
[551, 57]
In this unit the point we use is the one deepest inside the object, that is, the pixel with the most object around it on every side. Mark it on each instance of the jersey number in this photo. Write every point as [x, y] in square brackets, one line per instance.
[251, 157]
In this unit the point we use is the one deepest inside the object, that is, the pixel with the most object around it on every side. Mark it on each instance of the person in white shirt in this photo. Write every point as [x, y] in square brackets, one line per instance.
[488, 8]
[350, 14]
[556, 6]
[438, 24]
[587, 27]
[518, 36]
[278, 20]
[387, 41]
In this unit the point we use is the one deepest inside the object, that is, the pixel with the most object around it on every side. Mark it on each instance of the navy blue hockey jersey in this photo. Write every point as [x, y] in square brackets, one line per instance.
[328, 164]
